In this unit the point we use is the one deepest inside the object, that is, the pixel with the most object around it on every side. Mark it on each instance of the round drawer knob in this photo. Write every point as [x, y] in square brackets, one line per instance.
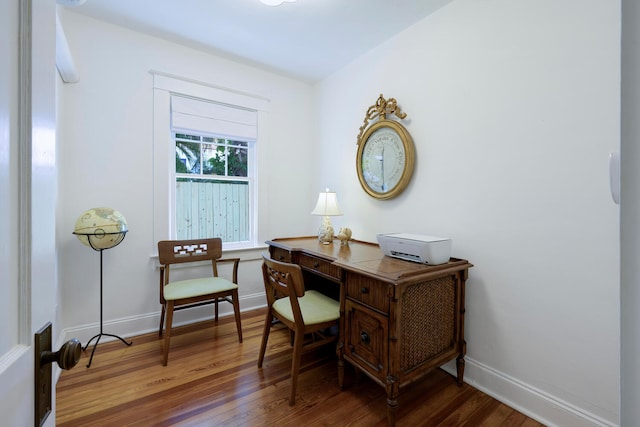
[364, 337]
[364, 290]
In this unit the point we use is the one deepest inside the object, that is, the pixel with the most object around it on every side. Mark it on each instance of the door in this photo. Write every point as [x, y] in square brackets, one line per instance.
[28, 285]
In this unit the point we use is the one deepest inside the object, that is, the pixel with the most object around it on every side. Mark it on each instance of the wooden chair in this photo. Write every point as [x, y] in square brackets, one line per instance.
[304, 313]
[191, 293]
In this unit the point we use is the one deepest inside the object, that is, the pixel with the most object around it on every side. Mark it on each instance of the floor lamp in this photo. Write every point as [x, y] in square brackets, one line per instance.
[100, 229]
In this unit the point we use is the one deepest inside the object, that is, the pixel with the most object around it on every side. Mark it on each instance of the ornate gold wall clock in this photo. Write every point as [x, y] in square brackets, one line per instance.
[385, 151]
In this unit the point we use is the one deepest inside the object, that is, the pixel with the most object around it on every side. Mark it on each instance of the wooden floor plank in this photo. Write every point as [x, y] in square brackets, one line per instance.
[212, 380]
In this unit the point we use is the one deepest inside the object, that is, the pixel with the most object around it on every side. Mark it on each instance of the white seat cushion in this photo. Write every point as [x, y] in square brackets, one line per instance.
[197, 287]
[315, 308]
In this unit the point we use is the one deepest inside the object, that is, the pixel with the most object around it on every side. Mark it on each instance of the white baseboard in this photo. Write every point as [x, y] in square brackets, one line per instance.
[127, 327]
[534, 403]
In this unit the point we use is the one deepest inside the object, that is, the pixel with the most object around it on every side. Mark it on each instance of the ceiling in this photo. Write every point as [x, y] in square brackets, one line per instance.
[307, 40]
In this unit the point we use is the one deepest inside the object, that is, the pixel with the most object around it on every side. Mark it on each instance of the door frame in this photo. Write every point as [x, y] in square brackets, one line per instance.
[17, 364]
[29, 144]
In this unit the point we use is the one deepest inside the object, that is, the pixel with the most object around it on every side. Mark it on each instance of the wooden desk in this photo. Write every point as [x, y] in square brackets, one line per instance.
[398, 319]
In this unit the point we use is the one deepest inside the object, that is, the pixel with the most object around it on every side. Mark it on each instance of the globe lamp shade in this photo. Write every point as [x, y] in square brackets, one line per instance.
[101, 228]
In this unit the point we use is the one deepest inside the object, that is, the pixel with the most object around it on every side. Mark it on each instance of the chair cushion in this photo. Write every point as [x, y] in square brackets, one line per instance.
[315, 308]
[197, 287]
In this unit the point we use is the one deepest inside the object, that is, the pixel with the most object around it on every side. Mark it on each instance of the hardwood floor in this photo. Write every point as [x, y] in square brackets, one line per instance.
[212, 380]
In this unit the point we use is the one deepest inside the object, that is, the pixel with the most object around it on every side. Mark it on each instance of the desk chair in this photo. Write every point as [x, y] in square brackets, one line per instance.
[191, 293]
[304, 313]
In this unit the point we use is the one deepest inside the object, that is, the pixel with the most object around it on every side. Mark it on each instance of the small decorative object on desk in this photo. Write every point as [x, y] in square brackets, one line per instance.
[344, 235]
[325, 234]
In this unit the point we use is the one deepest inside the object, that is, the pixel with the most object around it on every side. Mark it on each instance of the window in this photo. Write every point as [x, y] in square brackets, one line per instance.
[213, 169]
[212, 188]
[205, 163]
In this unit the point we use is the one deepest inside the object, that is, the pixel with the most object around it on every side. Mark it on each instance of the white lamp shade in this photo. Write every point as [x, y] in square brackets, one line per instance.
[327, 204]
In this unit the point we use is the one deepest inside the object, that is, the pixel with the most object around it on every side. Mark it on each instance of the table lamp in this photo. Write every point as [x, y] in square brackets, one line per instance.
[327, 206]
[100, 229]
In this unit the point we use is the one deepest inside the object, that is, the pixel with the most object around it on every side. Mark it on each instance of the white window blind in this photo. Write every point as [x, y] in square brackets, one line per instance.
[190, 114]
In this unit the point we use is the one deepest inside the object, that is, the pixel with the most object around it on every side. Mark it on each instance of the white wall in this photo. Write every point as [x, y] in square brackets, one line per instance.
[513, 107]
[106, 159]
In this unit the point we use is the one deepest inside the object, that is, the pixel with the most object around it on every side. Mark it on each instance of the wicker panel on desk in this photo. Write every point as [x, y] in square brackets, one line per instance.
[428, 321]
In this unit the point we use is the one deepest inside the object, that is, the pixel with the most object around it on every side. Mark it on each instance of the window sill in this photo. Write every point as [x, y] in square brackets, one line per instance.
[245, 254]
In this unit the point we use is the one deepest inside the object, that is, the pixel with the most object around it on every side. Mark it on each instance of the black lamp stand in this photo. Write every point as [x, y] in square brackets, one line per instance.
[101, 334]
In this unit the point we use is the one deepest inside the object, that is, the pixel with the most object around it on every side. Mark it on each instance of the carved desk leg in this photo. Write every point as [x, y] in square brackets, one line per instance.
[340, 352]
[341, 337]
[463, 344]
[460, 366]
[393, 390]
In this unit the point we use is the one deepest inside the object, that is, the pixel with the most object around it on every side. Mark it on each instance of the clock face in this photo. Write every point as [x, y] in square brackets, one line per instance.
[385, 159]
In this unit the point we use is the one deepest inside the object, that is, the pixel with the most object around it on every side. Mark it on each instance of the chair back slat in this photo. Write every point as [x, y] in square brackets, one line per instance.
[284, 280]
[193, 250]
[283, 277]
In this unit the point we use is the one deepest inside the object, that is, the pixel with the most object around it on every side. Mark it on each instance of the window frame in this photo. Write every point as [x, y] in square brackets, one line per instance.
[164, 179]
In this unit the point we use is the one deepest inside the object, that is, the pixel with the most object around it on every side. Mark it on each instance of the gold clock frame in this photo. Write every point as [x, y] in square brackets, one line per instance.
[380, 110]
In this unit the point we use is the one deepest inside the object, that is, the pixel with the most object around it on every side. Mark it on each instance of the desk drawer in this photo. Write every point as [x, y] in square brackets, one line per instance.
[319, 265]
[366, 339]
[369, 291]
[280, 254]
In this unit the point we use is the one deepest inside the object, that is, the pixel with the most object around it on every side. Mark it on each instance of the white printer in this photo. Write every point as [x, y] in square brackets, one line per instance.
[416, 247]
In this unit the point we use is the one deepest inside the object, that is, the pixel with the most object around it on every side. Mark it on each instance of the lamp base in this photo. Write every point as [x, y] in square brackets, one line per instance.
[100, 335]
[325, 233]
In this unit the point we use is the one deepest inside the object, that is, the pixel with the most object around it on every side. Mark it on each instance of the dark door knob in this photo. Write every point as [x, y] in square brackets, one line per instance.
[67, 357]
